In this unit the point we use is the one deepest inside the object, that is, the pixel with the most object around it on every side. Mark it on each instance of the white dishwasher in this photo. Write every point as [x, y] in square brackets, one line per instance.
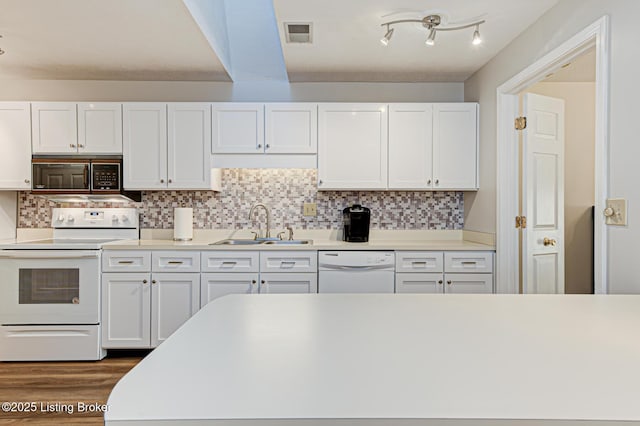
[356, 272]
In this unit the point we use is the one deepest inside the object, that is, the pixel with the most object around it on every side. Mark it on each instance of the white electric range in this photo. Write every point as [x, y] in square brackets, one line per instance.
[50, 289]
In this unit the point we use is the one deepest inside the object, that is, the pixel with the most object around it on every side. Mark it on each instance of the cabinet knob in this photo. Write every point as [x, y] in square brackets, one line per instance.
[161, 180]
[320, 182]
[259, 146]
[253, 281]
[27, 181]
[440, 282]
[170, 181]
[153, 282]
[144, 281]
[429, 182]
[71, 145]
[449, 282]
[262, 282]
[80, 145]
[437, 181]
[267, 146]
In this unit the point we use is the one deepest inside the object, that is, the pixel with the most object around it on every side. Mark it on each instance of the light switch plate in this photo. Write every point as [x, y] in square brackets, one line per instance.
[309, 209]
[619, 214]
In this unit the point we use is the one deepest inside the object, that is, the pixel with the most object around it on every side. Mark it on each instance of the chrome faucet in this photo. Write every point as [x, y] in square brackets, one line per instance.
[266, 209]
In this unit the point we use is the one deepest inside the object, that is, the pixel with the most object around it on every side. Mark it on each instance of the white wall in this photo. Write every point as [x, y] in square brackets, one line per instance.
[566, 19]
[8, 214]
[579, 160]
[184, 91]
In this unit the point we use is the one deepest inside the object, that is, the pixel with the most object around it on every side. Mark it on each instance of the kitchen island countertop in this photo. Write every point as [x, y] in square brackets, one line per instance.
[369, 359]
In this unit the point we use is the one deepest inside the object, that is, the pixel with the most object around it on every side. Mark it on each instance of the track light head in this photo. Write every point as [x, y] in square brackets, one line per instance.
[431, 40]
[387, 37]
[476, 36]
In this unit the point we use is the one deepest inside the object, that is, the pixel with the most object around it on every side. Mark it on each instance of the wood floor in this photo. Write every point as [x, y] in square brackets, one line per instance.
[57, 388]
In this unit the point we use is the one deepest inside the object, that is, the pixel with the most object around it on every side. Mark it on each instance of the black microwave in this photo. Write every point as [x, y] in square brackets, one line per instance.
[64, 175]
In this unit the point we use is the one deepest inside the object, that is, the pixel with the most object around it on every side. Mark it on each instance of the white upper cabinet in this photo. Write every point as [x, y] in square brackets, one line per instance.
[100, 128]
[15, 139]
[455, 146]
[145, 145]
[189, 159]
[410, 146]
[54, 128]
[291, 128]
[352, 146]
[237, 128]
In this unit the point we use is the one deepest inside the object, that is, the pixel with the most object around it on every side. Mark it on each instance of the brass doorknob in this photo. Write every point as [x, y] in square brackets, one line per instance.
[549, 242]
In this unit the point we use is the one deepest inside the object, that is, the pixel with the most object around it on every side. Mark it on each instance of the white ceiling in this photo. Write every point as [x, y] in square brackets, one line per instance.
[160, 40]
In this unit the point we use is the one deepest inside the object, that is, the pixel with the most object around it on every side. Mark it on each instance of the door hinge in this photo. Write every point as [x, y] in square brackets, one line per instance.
[521, 123]
[521, 222]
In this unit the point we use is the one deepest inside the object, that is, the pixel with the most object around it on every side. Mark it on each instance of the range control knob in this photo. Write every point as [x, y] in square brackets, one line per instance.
[114, 219]
[61, 218]
[124, 218]
[70, 218]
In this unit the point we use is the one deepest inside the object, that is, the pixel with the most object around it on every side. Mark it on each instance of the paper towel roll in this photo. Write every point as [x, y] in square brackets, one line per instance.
[182, 223]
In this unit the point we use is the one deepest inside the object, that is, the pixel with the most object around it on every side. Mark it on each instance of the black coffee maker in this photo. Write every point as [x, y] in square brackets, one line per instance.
[356, 224]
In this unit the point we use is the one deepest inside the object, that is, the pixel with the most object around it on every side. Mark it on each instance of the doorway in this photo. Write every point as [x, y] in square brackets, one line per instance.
[594, 37]
[566, 250]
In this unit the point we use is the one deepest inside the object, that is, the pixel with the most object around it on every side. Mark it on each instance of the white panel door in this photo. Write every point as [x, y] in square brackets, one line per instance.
[126, 310]
[144, 145]
[352, 146]
[189, 139]
[175, 297]
[468, 283]
[216, 285]
[291, 128]
[237, 128]
[410, 146]
[15, 139]
[100, 128]
[419, 283]
[54, 128]
[455, 146]
[543, 198]
[289, 283]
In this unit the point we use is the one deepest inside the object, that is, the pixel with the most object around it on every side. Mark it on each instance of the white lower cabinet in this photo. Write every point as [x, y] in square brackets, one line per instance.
[444, 272]
[240, 272]
[142, 309]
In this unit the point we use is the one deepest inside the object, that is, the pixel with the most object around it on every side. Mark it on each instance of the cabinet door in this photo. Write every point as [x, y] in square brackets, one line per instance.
[455, 146]
[288, 283]
[175, 297]
[100, 128]
[216, 285]
[352, 146]
[54, 128]
[238, 128]
[126, 310]
[291, 128]
[188, 146]
[468, 283]
[410, 146]
[419, 283]
[15, 138]
[145, 145]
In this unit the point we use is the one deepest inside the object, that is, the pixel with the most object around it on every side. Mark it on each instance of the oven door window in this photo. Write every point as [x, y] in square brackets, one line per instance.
[47, 286]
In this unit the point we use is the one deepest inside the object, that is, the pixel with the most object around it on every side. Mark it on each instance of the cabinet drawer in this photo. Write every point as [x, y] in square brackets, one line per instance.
[126, 261]
[468, 261]
[419, 261]
[236, 261]
[175, 261]
[289, 261]
[419, 283]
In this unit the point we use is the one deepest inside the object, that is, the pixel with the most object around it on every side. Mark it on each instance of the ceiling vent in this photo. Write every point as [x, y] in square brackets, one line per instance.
[298, 32]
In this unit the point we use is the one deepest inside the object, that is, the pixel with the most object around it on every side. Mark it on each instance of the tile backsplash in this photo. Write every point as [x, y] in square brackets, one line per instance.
[284, 191]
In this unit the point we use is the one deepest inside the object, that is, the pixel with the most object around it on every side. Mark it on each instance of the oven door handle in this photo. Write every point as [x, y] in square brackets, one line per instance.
[53, 254]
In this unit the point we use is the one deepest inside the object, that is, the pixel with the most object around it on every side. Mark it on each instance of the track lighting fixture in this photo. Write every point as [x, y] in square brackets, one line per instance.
[432, 22]
[385, 40]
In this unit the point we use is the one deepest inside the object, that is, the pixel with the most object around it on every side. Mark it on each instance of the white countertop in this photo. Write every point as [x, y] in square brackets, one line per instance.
[392, 360]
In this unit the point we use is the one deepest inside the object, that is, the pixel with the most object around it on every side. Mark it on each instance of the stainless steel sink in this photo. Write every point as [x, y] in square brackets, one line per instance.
[252, 242]
[289, 242]
[241, 242]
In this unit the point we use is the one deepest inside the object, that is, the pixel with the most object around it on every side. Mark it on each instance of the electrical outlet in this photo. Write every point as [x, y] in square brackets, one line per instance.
[309, 209]
[616, 212]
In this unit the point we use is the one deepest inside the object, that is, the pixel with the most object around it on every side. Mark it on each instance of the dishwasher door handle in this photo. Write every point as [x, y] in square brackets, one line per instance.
[356, 268]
